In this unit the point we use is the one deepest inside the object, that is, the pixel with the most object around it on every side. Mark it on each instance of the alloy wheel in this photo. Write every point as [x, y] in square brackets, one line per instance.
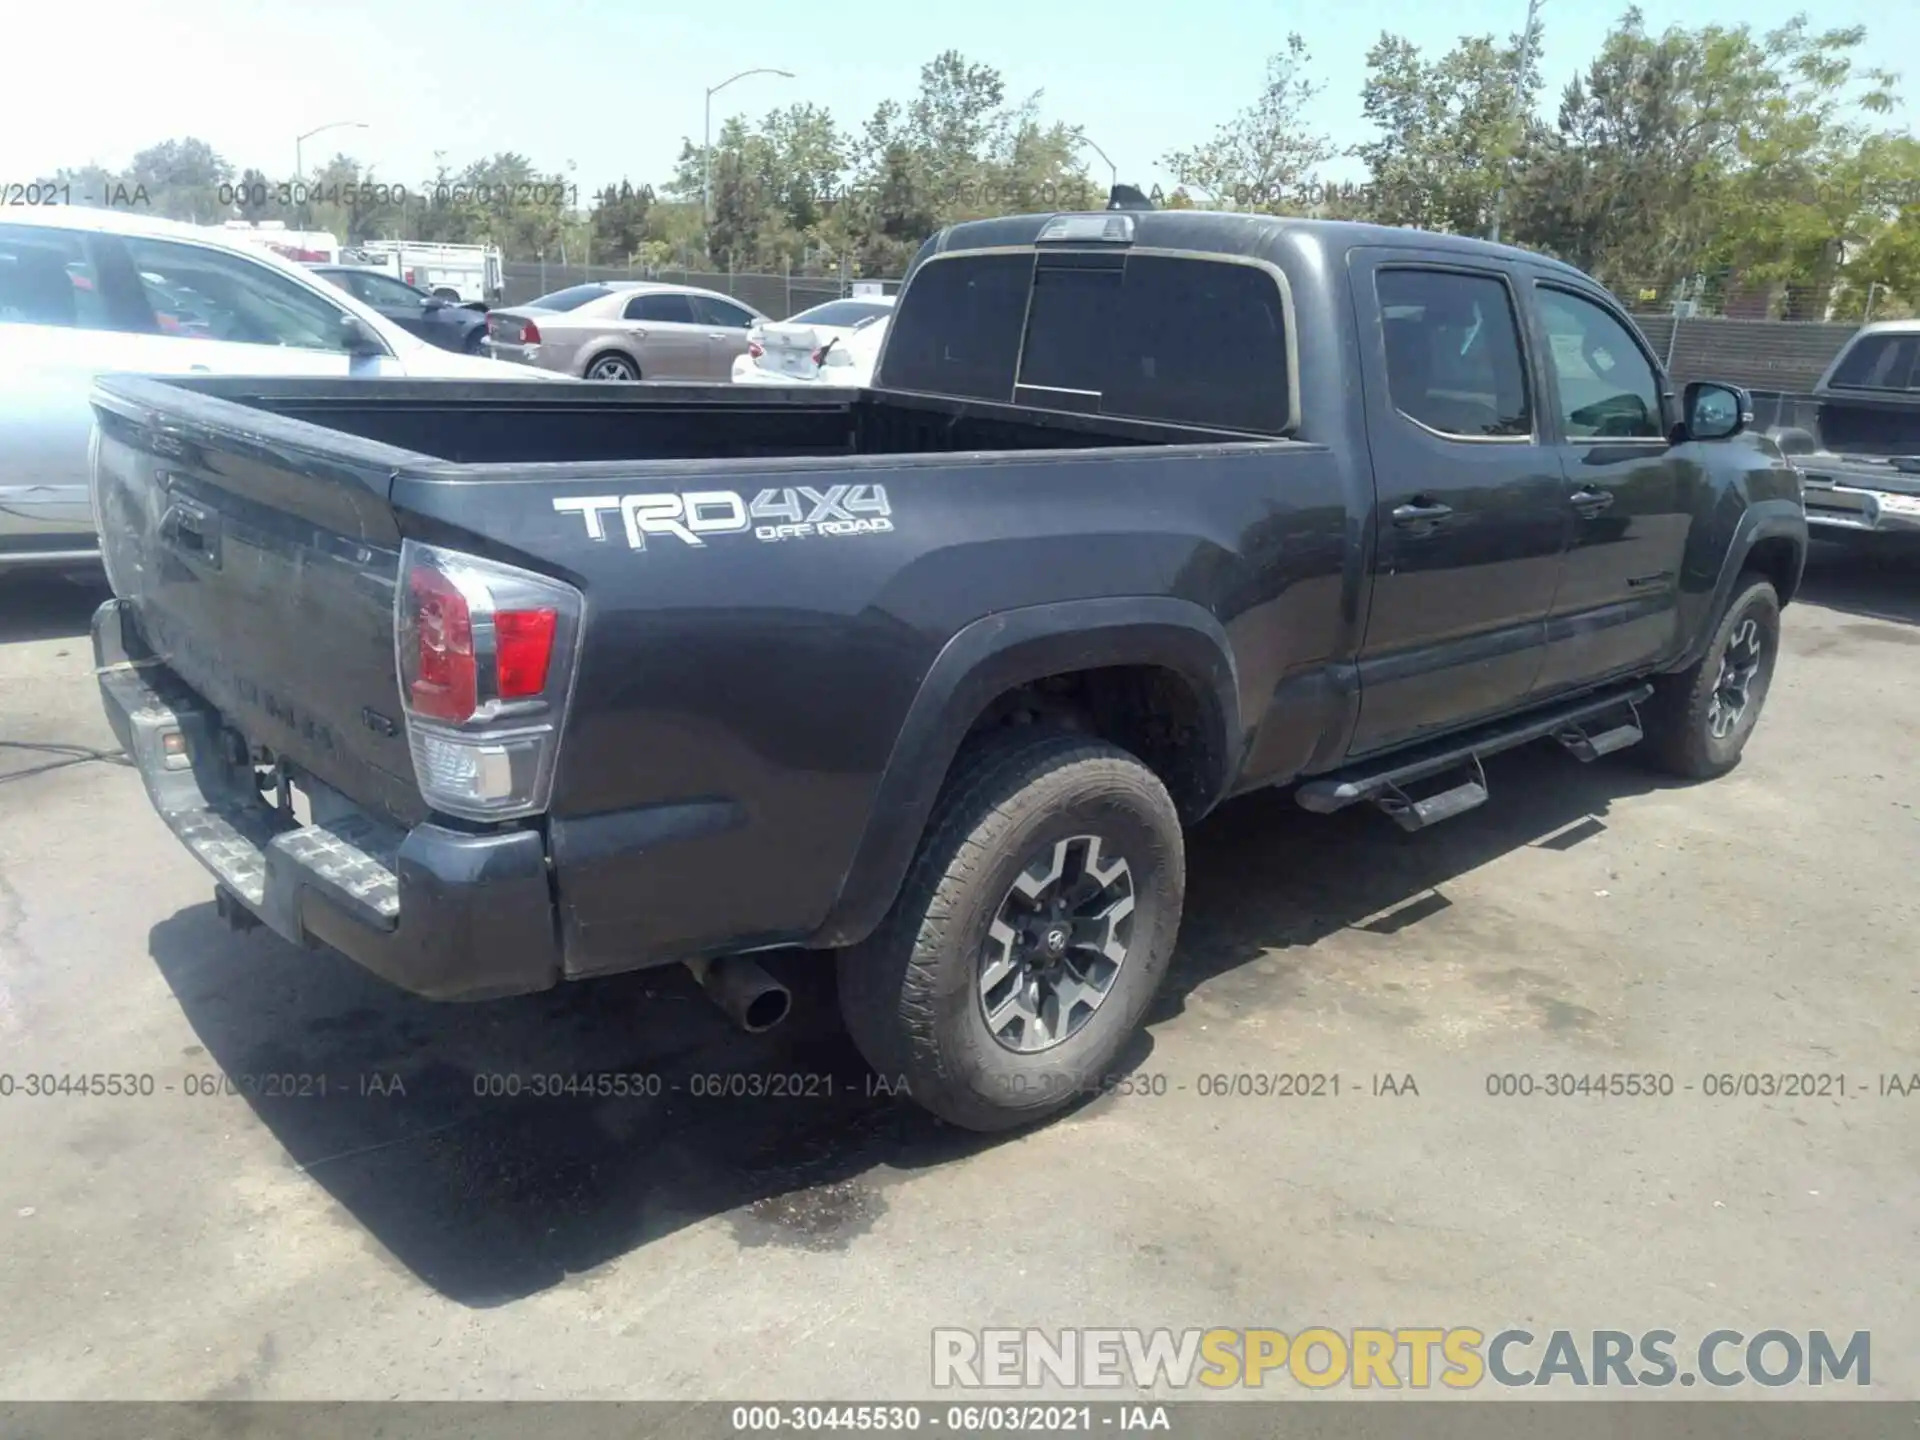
[1056, 944]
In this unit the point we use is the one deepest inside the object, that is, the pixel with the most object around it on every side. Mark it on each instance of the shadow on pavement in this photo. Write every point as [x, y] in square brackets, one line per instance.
[1879, 581]
[44, 606]
[491, 1197]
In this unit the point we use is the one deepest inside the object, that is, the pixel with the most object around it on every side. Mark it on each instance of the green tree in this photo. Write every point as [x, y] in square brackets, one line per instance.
[618, 228]
[1716, 152]
[1446, 129]
[1267, 157]
[182, 178]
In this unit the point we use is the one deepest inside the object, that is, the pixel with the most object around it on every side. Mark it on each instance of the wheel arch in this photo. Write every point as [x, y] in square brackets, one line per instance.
[1771, 537]
[991, 667]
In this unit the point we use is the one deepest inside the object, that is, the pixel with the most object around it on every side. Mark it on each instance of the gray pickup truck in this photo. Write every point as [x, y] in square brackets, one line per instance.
[1142, 511]
[1858, 450]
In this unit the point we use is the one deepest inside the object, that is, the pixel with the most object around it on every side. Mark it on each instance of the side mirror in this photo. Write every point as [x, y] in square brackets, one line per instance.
[357, 339]
[433, 303]
[1712, 411]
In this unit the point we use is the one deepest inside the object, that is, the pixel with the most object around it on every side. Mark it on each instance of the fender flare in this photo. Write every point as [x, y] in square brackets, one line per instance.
[1001, 652]
[1762, 520]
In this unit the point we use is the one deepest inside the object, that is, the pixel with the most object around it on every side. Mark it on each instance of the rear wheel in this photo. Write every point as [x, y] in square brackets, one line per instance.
[612, 367]
[1031, 933]
[1698, 720]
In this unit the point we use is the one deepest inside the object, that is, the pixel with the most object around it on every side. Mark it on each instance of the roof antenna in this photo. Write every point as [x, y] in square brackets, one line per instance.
[1127, 197]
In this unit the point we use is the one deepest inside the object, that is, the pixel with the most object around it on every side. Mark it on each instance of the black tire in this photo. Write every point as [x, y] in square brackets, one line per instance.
[911, 992]
[611, 360]
[477, 341]
[1682, 718]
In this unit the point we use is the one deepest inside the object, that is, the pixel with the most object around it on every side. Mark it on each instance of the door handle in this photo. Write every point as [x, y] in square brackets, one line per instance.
[1420, 512]
[1590, 501]
[716, 335]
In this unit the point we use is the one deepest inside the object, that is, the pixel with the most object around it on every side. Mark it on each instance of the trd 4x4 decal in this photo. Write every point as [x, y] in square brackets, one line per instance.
[690, 516]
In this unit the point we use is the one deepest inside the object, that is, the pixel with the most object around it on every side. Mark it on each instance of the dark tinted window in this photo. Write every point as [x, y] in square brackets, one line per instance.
[1070, 335]
[710, 311]
[1200, 342]
[1608, 388]
[844, 313]
[45, 279]
[1195, 342]
[959, 333]
[1453, 353]
[1880, 362]
[572, 298]
[670, 309]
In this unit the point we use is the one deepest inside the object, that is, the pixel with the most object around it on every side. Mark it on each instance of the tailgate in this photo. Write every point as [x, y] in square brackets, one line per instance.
[259, 557]
[1871, 426]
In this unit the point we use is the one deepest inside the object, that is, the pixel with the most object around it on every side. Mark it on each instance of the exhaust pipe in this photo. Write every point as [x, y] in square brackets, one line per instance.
[751, 998]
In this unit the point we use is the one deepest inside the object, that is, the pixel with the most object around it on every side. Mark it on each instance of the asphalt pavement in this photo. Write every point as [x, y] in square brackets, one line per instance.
[314, 1191]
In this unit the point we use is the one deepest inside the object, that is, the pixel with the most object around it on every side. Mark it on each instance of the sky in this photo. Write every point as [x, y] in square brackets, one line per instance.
[603, 90]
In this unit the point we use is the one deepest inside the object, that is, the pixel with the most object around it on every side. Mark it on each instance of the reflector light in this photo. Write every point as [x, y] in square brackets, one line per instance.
[523, 644]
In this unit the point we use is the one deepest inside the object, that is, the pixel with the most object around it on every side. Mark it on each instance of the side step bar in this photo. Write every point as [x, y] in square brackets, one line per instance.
[1384, 784]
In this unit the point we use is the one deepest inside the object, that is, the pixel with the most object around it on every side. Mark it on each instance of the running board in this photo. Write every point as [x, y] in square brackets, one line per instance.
[1386, 784]
[1411, 814]
[1587, 748]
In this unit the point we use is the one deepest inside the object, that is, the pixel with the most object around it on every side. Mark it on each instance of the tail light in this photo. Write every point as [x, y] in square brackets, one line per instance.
[486, 656]
[409, 277]
[755, 350]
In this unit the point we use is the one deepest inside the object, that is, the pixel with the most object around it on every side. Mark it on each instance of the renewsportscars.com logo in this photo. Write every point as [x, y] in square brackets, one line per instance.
[1417, 1358]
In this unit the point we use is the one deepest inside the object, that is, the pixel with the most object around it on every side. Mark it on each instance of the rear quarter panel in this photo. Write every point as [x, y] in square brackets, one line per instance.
[740, 701]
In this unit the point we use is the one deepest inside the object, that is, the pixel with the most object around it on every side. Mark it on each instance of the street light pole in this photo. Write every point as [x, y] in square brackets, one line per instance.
[299, 164]
[706, 143]
[1519, 79]
[1113, 172]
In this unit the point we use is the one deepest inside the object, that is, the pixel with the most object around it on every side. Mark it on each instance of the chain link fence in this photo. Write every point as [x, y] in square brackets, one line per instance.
[775, 296]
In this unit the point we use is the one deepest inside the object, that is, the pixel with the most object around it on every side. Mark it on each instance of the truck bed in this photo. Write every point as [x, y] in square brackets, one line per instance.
[495, 423]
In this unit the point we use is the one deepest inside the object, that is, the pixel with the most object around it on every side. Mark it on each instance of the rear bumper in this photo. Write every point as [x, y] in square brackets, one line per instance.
[1843, 494]
[443, 913]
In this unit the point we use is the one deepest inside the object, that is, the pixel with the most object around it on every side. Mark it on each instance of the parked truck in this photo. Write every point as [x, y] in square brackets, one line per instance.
[1859, 450]
[495, 687]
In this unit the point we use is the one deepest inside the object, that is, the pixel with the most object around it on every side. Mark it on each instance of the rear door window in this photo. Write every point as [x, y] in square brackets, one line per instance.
[710, 311]
[669, 309]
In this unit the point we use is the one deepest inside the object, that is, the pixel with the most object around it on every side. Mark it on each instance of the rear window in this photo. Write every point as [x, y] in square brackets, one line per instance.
[571, 298]
[842, 313]
[1880, 362]
[960, 333]
[1190, 341]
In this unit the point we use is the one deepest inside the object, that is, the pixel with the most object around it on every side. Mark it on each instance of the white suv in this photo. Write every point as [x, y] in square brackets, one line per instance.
[86, 291]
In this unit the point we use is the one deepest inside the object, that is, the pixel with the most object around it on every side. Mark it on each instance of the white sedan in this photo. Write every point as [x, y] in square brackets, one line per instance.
[832, 344]
[85, 292]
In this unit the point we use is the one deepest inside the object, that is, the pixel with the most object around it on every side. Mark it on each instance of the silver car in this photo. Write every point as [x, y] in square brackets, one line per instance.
[625, 330]
[85, 291]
